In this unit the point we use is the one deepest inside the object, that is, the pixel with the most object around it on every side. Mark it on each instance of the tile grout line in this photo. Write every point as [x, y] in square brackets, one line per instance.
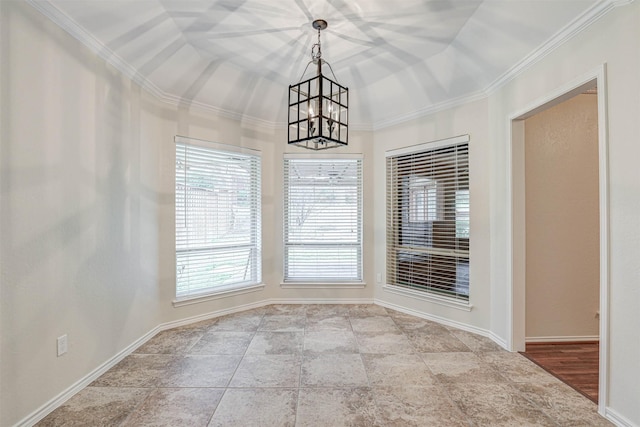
[513, 377]
[226, 388]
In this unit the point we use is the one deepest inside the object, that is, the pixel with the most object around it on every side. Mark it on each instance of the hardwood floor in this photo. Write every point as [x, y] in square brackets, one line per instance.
[574, 363]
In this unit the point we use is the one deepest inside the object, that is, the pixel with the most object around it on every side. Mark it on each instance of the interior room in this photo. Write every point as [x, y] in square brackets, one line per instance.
[562, 286]
[375, 243]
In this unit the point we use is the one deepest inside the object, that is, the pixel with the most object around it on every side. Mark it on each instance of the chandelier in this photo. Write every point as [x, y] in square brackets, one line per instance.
[318, 106]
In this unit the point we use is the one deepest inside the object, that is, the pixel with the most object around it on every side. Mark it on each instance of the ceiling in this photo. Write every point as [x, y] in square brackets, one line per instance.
[398, 59]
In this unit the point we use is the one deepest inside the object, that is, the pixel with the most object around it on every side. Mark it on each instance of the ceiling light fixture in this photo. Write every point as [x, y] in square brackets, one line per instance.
[318, 106]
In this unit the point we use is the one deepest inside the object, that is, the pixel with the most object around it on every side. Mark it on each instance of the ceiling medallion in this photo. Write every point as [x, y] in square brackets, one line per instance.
[318, 106]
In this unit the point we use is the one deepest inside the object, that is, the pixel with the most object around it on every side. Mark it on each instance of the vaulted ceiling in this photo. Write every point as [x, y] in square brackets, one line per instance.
[399, 59]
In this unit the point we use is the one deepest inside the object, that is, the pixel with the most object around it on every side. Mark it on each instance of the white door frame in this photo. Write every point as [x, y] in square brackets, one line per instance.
[516, 217]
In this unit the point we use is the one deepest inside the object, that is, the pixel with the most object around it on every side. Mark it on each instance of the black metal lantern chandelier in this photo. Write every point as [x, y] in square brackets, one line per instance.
[318, 107]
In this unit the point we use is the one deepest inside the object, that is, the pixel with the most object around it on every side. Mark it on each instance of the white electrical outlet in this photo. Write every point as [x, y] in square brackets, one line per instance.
[379, 277]
[62, 345]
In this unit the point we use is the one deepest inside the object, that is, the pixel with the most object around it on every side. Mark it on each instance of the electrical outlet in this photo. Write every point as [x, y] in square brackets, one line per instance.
[62, 345]
[379, 277]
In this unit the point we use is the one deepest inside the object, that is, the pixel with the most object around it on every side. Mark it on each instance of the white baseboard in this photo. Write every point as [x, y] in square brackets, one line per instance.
[319, 301]
[60, 399]
[618, 419]
[463, 326]
[562, 339]
[210, 315]
[498, 340]
[263, 303]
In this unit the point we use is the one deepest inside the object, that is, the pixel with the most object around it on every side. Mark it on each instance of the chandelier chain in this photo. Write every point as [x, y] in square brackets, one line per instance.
[316, 49]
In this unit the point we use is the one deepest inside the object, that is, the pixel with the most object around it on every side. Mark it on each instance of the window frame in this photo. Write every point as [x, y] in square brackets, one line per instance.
[417, 264]
[219, 156]
[297, 281]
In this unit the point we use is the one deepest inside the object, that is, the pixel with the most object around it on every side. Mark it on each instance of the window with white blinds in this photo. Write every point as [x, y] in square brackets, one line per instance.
[428, 218]
[322, 219]
[217, 217]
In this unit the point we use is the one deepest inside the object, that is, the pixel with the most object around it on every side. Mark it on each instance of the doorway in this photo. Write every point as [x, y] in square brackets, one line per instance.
[525, 325]
[562, 241]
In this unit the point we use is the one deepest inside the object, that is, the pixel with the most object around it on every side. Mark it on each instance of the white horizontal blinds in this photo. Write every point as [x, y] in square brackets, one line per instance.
[323, 220]
[428, 220]
[217, 219]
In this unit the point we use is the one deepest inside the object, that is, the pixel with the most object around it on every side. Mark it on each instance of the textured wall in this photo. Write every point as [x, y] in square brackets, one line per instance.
[562, 220]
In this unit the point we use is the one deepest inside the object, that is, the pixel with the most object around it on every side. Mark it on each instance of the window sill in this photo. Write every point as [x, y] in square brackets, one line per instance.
[436, 299]
[217, 294]
[323, 285]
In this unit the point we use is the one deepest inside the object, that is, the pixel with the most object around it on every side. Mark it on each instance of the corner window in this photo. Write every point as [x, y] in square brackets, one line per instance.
[217, 217]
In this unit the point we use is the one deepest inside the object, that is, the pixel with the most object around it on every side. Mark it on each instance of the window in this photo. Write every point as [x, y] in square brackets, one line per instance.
[424, 203]
[428, 218]
[462, 214]
[322, 219]
[217, 217]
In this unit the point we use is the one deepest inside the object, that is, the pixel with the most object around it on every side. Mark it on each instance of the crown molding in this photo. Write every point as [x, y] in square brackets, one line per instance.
[429, 109]
[78, 32]
[591, 15]
[579, 24]
[198, 106]
[617, 3]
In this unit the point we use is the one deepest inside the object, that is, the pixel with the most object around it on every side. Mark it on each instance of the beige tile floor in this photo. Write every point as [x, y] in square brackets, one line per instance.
[324, 365]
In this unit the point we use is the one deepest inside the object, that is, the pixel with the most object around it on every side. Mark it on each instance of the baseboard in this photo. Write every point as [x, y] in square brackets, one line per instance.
[319, 301]
[60, 399]
[463, 326]
[498, 340]
[553, 339]
[210, 315]
[618, 419]
[263, 303]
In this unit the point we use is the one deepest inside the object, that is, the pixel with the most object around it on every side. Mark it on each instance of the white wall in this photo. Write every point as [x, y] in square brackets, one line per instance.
[87, 166]
[87, 211]
[468, 119]
[272, 144]
[79, 211]
[562, 221]
[613, 40]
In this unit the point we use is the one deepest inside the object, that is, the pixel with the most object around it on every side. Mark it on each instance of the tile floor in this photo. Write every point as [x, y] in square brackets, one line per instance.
[324, 365]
